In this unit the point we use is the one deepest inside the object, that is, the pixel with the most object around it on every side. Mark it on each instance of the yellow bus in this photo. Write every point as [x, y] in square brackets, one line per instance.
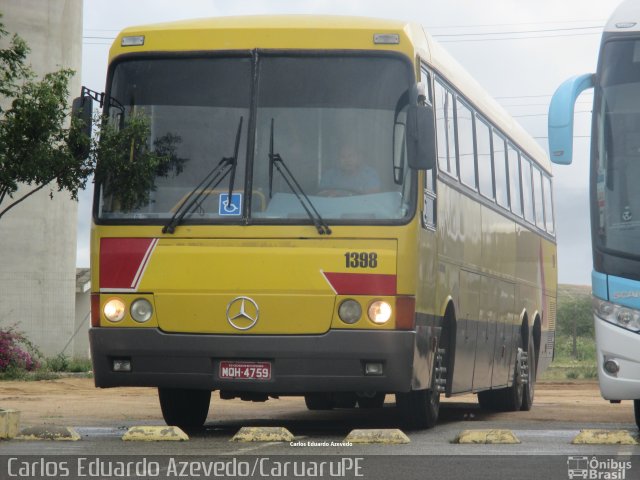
[351, 216]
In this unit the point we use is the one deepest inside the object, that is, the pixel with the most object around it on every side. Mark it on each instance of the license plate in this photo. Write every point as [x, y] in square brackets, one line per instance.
[245, 370]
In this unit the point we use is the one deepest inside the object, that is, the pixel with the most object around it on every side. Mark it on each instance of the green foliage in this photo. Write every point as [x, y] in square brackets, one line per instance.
[575, 312]
[586, 349]
[573, 374]
[12, 64]
[575, 347]
[39, 143]
[127, 166]
[59, 363]
[16, 351]
[33, 127]
[62, 363]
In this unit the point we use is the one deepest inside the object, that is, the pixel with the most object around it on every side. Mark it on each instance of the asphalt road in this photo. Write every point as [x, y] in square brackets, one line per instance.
[544, 450]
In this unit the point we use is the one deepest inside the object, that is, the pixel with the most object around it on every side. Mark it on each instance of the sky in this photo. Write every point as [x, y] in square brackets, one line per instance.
[518, 50]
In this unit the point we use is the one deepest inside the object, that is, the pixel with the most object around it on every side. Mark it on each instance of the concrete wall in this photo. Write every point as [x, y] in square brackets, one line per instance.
[38, 237]
[79, 347]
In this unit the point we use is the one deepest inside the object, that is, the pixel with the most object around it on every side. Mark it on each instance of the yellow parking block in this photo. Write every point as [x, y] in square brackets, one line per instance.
[155, 434]
[380, 435]
[604, 437]
[9, 423]
[49, 432]
[263, 434]
[486, 437]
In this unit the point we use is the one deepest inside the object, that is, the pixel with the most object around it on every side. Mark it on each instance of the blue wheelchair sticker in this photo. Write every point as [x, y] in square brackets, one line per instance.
[233, 208]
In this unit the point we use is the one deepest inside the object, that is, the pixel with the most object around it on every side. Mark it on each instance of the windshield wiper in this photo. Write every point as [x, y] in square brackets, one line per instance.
[275, 160]
[234, 163]
[217, 174]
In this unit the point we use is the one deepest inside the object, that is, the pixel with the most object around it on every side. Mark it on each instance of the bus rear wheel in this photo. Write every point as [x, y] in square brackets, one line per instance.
[184, 408]
[529, 372]
[508, 399]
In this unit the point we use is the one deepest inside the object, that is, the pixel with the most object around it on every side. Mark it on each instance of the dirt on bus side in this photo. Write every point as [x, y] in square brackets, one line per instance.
[76, 402]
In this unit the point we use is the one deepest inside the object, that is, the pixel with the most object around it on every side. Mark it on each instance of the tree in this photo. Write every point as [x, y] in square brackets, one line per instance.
[39, 139]
[575, 317]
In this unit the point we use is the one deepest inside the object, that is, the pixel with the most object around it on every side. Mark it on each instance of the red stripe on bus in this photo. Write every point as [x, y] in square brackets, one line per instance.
[121, 259]
[362, 283]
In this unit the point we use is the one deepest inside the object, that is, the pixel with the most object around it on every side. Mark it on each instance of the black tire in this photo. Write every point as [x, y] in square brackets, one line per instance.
[507, 399]
[530, 386]
[184, 408]
[318, 401]
[636, 410]
[419, 409]
[375, 401]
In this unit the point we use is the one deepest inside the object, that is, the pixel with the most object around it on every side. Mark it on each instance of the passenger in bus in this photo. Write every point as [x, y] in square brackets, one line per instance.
[351, 176]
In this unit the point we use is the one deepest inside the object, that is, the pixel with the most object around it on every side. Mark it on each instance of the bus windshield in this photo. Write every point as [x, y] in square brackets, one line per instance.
[617, 162]
[336, 122]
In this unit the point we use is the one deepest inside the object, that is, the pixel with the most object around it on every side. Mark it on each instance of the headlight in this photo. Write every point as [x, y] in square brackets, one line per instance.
[624, 317]
[379, 312]
[114, 310]
[141, 310]
[350, 311]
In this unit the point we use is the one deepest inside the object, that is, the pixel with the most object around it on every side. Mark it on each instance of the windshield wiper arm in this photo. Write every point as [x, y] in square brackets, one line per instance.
[217, 174]
[234, 160]
[275, 160]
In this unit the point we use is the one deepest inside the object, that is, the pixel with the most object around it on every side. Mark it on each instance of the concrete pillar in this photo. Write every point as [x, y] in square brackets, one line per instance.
[38, 237]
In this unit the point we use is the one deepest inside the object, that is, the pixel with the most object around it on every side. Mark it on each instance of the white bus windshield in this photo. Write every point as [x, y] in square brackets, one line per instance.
[617, 166]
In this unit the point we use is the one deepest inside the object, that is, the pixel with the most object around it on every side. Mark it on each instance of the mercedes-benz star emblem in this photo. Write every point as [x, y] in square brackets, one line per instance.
[242, 313]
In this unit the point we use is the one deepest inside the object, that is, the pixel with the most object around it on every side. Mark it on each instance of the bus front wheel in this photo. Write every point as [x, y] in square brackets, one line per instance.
[184, 408]
[420, 408]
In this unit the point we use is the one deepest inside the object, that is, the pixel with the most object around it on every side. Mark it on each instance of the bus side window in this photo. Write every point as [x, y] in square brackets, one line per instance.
[483, 149]
[445, 129]
[515, 195]
[548, 205]
[527, 190]
[500, 170]
[464, 128]
[425, 77]
[537, 195]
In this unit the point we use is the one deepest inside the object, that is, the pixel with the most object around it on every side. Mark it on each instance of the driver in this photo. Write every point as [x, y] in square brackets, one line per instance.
[351, 175]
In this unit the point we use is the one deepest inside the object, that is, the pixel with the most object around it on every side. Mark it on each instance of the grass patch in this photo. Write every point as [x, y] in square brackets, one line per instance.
[50, 369]
[566, 367]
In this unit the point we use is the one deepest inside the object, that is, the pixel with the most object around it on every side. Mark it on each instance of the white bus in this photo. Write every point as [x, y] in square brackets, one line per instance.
[614, 197]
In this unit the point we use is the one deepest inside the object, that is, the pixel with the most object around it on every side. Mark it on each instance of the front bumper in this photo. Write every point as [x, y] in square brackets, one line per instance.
[623, 346]
[331, 362]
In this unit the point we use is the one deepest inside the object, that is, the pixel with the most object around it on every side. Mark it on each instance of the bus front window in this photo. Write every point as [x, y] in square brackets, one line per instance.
[616, 193]
[198, 102]
[334, 119]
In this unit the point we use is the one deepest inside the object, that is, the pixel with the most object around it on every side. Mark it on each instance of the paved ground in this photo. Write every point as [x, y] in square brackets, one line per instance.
[75, 401]
[102, 416]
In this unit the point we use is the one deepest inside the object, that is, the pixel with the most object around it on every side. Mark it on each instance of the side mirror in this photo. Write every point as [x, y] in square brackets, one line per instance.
[80, 133]
[421, 137]
[560, 124]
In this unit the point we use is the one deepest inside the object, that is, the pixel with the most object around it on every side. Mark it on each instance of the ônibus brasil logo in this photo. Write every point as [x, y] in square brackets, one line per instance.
[597, 469]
